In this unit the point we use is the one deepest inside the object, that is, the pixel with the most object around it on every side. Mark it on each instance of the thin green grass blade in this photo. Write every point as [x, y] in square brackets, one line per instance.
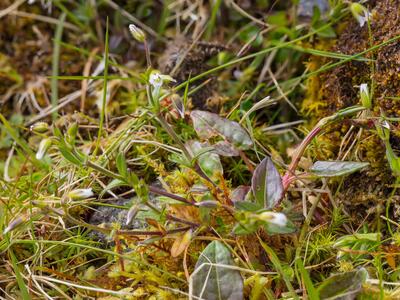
[278, 266]
[311, 291]
[164, 16]
[99, 58]
[105, 251]
[20, 142]
[21, 283]
[211, 23]
[103, 104]
[329, 54]
[55, 64]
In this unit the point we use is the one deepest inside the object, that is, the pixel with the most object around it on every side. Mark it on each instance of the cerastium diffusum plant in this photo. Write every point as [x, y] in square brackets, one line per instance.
[254, 209]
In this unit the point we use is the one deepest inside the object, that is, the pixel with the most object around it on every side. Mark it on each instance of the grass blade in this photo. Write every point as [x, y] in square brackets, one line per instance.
[21, 283]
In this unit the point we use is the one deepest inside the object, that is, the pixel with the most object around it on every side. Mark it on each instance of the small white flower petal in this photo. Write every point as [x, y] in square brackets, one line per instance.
[361, 14]
[43, 147]
[364, 88]
[80, 194]
[279, 219]
[137, 33]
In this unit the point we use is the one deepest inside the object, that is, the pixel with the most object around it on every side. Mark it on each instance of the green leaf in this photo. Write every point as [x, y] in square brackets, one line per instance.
[279, 268]
[208, 160]
[216, 282]
[267, 184]
[326, 32]
[343, 285]
[113, 184]
[121, 165]
[247, 206]
[244, 228]
[336, 168]
[20, 280]
[277, 229]
[311, 291]
[68, 155]
[209, 125]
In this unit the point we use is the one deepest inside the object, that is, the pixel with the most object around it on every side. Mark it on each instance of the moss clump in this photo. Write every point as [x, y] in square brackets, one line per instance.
[339, 88]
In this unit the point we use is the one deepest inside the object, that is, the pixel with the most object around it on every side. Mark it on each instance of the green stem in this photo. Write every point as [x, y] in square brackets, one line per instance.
[104, 100]
[55, 64]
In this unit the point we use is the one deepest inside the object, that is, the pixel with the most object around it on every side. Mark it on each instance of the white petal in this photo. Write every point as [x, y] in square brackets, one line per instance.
[364, 88]
[274, 218]
[80, 194]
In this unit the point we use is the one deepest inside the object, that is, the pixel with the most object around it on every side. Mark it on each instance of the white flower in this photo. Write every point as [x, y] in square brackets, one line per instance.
[359, 12]
[79, 194]
[364, 88]
[156, 80]
[137, 33]
[43, 147]
[274, 218]
[385, 124]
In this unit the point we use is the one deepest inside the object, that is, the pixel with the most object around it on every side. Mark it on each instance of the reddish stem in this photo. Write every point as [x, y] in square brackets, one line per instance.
[290, 176]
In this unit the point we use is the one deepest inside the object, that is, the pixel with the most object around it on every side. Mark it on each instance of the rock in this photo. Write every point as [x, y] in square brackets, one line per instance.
[107, 215]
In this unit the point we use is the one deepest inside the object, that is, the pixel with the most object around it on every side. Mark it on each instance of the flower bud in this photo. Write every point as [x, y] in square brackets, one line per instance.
[131, 214]
[43, 147]
[273, 217]
[39, 127]
[365, 96]
[137, 33]
[13, 224]
[157, 79]
[80, 194]
[71, 133]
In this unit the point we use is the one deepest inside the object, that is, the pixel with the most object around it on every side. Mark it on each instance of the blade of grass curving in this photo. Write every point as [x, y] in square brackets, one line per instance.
[80, 77]
[20, 142]
[322, 53]
[264, 51]
[311, 291]
[21, 283]
[105, 251]
[75, 19]
[330, 66]
[277, 264]
[55, 64]
[100, 58]
[164, 17]
[213, 17]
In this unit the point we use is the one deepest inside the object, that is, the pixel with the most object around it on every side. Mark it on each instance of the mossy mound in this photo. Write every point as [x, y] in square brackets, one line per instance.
[338, 88]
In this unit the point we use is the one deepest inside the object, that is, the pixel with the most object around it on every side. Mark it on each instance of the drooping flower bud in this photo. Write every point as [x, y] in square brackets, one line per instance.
[274, 218]
[365, 96]
[43, 147]
[14, 223]
[137, 33]
[39, 127]
[80, 194]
